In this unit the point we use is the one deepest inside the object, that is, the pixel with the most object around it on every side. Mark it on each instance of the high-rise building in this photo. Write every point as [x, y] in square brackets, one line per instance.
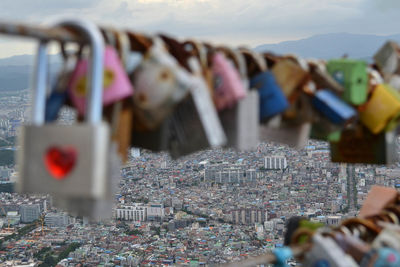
[56, 219]
[155, 212]
[135, 212]
[229, 175]
[29, 212]
[140, 212]
[275, 163]
[249, 216]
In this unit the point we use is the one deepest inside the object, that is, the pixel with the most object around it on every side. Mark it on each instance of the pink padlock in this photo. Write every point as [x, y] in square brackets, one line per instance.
[229, 88]
[116, 84]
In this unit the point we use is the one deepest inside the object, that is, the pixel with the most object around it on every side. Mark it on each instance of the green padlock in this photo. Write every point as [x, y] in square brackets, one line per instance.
[352, 74]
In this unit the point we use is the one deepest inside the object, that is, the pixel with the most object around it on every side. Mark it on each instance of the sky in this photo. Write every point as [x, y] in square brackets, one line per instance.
[233, 22]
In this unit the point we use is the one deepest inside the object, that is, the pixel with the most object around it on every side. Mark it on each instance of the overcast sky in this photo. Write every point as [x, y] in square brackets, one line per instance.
[251, 22]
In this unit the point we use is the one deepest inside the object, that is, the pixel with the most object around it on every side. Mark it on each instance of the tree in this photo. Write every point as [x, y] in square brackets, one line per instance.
[134, 232]
[69, 249]
[49, 261]
[6, 157]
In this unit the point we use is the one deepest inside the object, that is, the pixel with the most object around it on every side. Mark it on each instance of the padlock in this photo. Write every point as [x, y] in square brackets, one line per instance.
[377, 199]
[59, 94]
[241, 123]
[228, 87]
[151, 129]
[293, 135]
[322, 79]
[116, 84]
[160, 84]
[199, 51]
[155, 140]
[282, 256]
[333, 108]
[352, 75]
[324, 130]
[393, 81]
[195, 114]
[383, 108]
[292, 129]
[388, 58]
[131, 46]
[359, 145]
[350, 244]
[95, 210]
[375, 78]
[325, 252]
[67, 161]
[120, 113]
[387, 238]
[382, 257]
[120, 117]
[289, 76]
[272, 99]
[56, 100]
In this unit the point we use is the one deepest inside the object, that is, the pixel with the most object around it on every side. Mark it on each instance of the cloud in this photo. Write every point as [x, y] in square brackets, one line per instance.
[250, 22]
[217, 17]
[37, 9]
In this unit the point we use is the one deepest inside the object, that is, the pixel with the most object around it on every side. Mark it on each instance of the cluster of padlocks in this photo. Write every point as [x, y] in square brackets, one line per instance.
[372, 239]
[163, 94]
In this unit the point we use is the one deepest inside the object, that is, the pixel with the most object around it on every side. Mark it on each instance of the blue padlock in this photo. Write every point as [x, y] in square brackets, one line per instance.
[282, 255]
[272, 99]
[58, 96]
[332, 107]
[387, 257]
[54, 103]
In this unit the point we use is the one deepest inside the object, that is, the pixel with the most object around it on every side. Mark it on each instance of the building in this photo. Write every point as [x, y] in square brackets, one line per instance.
[29, 213]
[13, 218]
[140, 212]
[135, 212]
[56, 219]
[333, 220]
[249, 216]
[229, 175]
[275, 163]
[155, 212]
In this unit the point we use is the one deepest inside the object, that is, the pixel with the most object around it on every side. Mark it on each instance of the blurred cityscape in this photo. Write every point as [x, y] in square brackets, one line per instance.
[212, 207]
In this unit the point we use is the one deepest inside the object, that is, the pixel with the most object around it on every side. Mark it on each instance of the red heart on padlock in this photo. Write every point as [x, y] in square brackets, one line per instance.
[60, 161]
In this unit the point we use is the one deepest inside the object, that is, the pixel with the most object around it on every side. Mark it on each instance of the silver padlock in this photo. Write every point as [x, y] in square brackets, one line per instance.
[388, 58]
[387, 238]
[67, 161]
[325, 252]
[95, 210]
[195, 124]
[241, 122]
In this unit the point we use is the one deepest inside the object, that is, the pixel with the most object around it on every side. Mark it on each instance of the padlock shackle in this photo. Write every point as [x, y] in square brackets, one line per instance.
[39, 82]
[95, 74]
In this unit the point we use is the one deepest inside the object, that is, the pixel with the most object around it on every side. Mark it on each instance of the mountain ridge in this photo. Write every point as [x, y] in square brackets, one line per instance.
[27, 59]
[15, 70]
[331, 45]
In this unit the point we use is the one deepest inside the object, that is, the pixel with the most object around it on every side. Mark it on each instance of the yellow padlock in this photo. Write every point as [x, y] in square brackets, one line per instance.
[383, 106]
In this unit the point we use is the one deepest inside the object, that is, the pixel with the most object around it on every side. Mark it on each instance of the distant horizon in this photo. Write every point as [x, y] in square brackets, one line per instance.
[233, 22]
[294, 39]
